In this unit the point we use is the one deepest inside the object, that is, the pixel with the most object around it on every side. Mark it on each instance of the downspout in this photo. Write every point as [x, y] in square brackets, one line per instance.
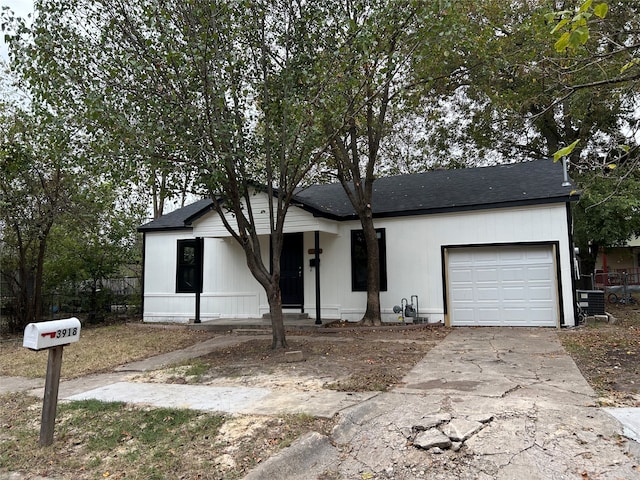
[572, 260]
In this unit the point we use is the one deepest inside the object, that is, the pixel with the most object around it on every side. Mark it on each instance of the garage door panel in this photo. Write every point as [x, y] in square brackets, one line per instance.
[542, 273]
[514, 294]
[506, 285]
[486, 257]
[543, 315]
[512, 256]
[487, 314]
[461, 274]
[515, 314]
[463, 258]
[461, 294]
[487, 274]
[488, 293]
[466, 315]
[542, 293]
[539, 255]
[513, 274]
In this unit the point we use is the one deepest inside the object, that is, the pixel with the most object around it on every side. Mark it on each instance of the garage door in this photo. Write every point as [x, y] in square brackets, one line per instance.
[502, 286]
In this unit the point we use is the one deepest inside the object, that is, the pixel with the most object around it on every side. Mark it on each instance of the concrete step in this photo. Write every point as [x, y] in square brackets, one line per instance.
[289, 316]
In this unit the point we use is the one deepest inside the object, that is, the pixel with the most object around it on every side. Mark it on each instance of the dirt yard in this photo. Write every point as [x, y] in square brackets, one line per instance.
[347, 359]
[608, 355]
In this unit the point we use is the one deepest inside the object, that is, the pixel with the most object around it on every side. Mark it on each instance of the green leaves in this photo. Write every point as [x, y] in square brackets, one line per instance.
[576, 25]
[607, 211]
[563, 152]
[601, 10]
[631, 64]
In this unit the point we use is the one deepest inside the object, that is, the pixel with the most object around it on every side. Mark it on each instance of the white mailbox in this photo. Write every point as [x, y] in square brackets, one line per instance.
[38, 336]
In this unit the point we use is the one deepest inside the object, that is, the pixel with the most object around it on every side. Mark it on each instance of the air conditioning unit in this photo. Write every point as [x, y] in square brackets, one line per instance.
[591, 301]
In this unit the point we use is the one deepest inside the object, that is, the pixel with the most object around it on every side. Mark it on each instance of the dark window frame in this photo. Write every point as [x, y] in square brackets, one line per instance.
[186, 269]
[359, 260]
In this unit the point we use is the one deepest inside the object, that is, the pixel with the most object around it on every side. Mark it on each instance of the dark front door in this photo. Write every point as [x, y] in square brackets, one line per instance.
[291, 258]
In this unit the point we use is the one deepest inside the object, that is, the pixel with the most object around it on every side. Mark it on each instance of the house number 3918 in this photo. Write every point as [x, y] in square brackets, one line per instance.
[67, 332]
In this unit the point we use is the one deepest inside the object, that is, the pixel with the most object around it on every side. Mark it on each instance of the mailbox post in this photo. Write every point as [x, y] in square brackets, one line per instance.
[52, 336]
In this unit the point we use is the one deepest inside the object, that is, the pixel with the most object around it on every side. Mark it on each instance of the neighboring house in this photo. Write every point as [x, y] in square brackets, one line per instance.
[479, 246]
[612, 263]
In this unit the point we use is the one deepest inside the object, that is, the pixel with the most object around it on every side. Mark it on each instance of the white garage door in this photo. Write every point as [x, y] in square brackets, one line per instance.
[502, 286]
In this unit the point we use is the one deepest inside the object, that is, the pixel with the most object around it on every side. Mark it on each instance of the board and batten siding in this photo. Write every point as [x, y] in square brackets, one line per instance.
[229, 289]
[297, 220]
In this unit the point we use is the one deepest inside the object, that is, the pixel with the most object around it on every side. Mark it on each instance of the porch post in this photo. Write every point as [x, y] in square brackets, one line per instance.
[317, 260]
[199, 274]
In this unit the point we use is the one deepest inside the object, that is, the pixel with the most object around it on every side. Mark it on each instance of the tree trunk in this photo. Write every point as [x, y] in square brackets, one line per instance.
[39, 278]
[277, 320]
[372, 314]
[270, 282]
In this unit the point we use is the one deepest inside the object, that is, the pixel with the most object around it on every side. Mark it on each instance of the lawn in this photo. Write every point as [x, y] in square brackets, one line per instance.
[113, 440]
[101, 348]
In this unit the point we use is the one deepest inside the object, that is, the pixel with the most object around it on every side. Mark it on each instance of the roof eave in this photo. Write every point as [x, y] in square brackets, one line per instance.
[142, 229]
[482, 206]
[448, 209]
[200, 213]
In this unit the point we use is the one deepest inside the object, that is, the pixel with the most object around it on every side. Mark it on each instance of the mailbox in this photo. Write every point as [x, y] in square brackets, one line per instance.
[42, 335]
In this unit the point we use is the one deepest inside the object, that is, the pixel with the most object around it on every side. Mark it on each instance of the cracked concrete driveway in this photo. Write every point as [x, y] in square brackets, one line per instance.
[516, 401]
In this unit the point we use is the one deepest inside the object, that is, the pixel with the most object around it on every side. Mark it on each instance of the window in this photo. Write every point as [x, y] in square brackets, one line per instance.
[186, 266]
[359, 260]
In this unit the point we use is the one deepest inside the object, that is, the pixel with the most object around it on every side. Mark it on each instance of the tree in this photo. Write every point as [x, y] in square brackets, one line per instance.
[607, 214]
[37, 187]
[523, 99]
[383, 59]
[87, 250]
[528, 93]
[212, 87]
[50, 198]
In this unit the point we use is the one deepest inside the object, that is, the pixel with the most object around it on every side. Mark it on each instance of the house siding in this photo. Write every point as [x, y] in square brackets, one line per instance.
[414, 262]
[298, 220]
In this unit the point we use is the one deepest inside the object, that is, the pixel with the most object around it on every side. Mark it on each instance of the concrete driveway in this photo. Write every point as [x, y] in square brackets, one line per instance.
[486, 403]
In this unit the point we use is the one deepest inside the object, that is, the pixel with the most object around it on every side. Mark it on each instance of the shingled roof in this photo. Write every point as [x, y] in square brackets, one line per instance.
[179, 219]
[440, 191]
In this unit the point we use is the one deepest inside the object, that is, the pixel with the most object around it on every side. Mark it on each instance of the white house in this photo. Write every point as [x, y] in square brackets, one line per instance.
[481, 246]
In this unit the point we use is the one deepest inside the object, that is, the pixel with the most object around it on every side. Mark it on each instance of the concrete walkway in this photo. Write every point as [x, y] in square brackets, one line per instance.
[513, 400]
[116, 386]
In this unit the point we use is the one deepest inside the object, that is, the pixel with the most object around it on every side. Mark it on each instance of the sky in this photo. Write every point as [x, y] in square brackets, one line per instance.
[21, 8]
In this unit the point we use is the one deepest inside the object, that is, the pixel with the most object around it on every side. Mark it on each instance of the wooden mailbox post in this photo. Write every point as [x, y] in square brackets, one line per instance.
[52, 336]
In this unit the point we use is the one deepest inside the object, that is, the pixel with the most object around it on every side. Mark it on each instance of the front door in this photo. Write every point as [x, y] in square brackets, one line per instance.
[291, 281]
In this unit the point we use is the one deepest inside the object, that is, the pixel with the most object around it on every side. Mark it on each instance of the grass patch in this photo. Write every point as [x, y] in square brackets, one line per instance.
[196, 369]
[92, 354]
[148, 428]
[114, 440]
[191, 370]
